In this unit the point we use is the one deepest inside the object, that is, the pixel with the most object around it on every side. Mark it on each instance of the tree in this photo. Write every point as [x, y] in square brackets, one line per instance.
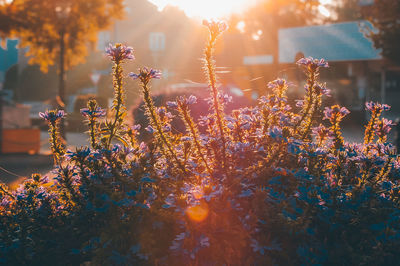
[39, 25]
[263, 21]
[57, 29]
[346, 10]
[383, 14]
[255, 32]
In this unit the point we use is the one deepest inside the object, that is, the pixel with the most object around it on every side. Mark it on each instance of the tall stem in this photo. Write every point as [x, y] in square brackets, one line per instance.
[193, 130]
[118, 100]
[61, 88]
[156, 123]
[210, 67]
[308, 101]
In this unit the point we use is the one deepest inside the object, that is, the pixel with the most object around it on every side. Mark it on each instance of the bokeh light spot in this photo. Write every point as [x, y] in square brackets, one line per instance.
[198, 213]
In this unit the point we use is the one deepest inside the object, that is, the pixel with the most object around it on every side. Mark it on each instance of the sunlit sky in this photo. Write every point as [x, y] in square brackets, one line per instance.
[208, 9]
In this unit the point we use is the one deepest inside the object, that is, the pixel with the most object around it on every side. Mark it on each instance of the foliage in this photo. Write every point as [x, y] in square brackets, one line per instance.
[270, 16]
[383, 14]
[263, 185]
[197, 110]
[39, 25]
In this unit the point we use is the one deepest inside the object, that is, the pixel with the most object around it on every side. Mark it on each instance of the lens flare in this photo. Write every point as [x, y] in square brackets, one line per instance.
[198, 213]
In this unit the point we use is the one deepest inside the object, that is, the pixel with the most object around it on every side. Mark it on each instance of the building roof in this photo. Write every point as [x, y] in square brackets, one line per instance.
[334, 42]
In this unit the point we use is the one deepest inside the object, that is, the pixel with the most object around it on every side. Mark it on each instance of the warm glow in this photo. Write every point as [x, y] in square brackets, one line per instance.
[325, 2]
[4, 2]
[198, 213]
[207, 9]
[241, 26]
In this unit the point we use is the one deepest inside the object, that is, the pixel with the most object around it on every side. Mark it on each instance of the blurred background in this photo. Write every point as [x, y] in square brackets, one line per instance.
[52, 56]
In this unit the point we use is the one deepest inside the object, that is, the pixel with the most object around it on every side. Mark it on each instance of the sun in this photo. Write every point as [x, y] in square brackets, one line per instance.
[207, 9]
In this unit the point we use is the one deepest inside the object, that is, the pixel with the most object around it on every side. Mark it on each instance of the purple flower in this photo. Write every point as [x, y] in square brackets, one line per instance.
[225, 98]
[150, 129]
[80, 154]
[321, 132]
[143, 147]
[321, 89]
[164, 115]
[5, 202]
[386, 125]
[172, 104]
[167, 128]
[136, 127]
[52, 116]
[97, 113]
[300, 103]
[146, 74]
[383, 127]
[183, 101]
[191, 100]
[276, 84]
[335, 112]
[312, 63]
[371, 106]
[119, 52]
[204, 241]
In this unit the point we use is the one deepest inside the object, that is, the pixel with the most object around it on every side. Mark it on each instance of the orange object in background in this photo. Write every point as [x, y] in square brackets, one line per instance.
[26, 140]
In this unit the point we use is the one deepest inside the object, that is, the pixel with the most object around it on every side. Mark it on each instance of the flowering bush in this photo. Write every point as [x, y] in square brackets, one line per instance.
[197, 110]
[263, 185]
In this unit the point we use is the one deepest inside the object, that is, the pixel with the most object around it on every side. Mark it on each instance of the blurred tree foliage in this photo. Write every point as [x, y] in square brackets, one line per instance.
[383, 14]
[38, 24]
[265, 18]
[348, 10]
[255, 32]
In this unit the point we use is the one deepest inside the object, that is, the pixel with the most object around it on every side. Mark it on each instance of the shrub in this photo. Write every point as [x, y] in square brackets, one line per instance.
[264, 185]
[200, 109]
